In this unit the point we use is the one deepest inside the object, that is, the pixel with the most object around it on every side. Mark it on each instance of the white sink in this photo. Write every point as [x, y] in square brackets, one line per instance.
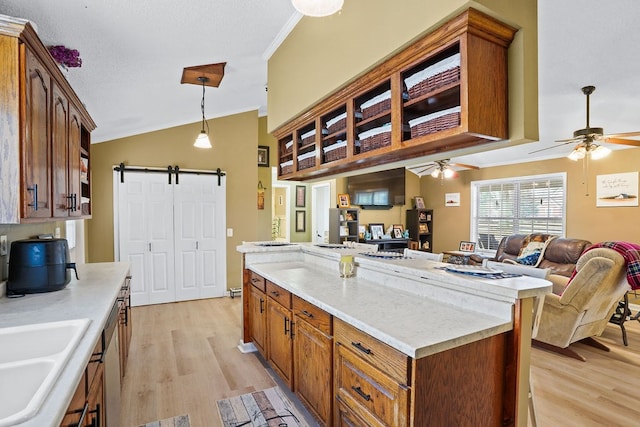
[31, 359]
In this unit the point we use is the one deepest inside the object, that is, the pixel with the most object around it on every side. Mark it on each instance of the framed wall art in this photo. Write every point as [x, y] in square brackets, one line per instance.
[301, 219]
[301, 196]
[617, 189]
[263, 156]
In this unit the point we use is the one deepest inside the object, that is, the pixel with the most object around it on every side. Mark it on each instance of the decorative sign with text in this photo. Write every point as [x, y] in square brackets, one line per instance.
[617, 189]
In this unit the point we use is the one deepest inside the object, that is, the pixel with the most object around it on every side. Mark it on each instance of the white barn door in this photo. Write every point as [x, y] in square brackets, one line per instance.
[200, 242]
[145, 205]
[172, 234]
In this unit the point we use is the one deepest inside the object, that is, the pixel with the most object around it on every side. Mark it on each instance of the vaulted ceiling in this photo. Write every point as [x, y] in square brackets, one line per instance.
[133, 54]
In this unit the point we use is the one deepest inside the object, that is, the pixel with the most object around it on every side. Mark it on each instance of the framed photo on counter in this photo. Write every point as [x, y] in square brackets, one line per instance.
[467, 246]
[397, 231]
[376, 230]
[343, 201]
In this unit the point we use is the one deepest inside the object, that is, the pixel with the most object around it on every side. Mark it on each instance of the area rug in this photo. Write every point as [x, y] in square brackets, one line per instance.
[263, 408]
[179, 421]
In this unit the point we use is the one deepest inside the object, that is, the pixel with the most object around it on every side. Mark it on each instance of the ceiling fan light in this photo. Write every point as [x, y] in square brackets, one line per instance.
[202, 141]
[599, 152]
[577, 154]
[317, 8]
[449, 173]
[435, 173]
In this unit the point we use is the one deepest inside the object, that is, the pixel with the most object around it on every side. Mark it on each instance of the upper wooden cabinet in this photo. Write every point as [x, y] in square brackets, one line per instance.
[45, 133]
[446, 91]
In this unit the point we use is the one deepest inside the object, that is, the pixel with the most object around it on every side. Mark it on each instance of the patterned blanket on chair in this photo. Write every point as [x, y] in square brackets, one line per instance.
[631, 254]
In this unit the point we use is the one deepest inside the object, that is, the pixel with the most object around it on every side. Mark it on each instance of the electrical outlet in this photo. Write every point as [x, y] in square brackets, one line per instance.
[229, 232]
[3, 245]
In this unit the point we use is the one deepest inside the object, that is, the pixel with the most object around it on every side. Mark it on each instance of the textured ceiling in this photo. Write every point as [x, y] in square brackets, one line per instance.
[133, 53]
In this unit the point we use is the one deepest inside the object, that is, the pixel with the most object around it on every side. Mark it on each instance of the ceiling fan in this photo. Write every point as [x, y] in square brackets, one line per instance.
[439, 169]
[589, 137]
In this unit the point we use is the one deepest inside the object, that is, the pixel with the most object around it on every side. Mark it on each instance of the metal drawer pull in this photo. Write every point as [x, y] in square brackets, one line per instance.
[306, 313]
[362, 394]
[275, 293]
[261, 305]
[360, 347]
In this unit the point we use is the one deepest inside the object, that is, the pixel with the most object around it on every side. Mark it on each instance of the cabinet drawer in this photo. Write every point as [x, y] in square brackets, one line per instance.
[315, 316]
[279, 294]
[368, 392]
[257, 281]
[387, 359]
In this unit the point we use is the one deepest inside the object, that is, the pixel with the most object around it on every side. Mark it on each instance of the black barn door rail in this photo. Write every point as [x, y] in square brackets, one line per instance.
[122, 168]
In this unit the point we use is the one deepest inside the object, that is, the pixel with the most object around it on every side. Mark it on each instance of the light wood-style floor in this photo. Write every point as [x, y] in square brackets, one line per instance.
[184, 357]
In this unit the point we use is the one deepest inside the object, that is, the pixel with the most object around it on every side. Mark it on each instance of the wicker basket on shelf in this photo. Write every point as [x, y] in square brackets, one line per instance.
[308, 137]
[335, 152]
[435, 122]
[307, 160]
[286, 167]
[442, 73]
[376, 141]
[377, 105]
[337, 123]
[288, 147]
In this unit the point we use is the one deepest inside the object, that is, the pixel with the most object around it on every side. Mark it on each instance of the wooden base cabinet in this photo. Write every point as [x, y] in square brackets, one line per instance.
[257, 302]
[280, 332]
[313, 359]
[377, 384]
[370, 377]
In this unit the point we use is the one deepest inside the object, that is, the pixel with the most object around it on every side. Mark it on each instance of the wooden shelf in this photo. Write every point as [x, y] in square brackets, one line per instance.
[480, 92]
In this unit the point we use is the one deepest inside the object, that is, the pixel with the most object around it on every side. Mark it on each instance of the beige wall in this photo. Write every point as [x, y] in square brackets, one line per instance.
[235, 141]
[320, 55]
[584, 219]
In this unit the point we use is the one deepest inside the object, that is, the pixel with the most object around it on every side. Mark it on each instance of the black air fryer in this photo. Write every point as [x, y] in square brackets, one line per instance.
[37, 266]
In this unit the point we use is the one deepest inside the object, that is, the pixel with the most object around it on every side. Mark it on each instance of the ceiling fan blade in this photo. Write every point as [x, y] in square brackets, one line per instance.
[549, 148]
[621, 141]
[574, 139]
[462, 165]
[622, 135]
[420, 169]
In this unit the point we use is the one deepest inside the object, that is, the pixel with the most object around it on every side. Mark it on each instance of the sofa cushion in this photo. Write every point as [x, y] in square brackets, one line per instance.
[532, 248]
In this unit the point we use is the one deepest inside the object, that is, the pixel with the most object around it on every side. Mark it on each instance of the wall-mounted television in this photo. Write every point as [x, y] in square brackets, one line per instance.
[377, 190]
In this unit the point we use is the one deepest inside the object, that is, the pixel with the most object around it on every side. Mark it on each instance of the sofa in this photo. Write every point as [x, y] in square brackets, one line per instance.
[558, 254]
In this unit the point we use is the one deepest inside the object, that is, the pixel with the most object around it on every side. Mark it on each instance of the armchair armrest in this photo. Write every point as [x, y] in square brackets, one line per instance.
[559, 283]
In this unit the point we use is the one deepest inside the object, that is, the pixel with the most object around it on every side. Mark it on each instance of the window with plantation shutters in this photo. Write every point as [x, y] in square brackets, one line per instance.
[521, 205]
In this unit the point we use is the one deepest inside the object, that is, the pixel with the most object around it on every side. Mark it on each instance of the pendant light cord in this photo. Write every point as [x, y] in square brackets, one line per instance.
[203, 80]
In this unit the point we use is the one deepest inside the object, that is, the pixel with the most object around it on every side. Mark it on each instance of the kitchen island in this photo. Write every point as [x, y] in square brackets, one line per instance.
[91, 297]
[466, 339]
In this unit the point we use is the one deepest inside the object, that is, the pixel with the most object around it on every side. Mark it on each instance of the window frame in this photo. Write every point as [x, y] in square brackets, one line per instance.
[518, 180]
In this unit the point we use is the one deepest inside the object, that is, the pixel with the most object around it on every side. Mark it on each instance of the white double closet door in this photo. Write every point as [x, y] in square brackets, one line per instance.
[173, 235]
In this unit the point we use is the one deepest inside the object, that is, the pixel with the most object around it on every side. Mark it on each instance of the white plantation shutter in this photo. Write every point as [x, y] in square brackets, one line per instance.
[518, 205]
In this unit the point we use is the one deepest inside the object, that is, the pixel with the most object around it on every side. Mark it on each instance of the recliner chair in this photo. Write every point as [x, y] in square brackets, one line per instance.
[585, 305]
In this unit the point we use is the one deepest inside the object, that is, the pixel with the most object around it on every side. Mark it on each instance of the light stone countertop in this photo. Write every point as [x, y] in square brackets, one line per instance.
[411, 304]
[90, 297]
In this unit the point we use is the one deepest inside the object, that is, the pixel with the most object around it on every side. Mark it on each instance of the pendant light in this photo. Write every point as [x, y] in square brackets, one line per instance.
[202, 141]
[317, 8]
